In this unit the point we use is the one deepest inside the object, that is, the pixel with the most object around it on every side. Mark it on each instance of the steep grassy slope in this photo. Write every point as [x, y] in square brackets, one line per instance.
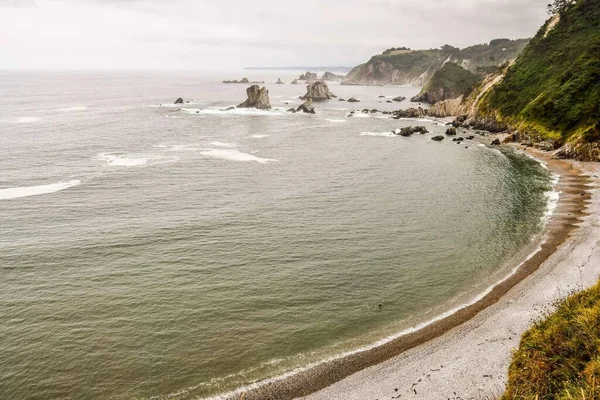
[553, 88]
[559, 358]
[449, 82]
[418, 66]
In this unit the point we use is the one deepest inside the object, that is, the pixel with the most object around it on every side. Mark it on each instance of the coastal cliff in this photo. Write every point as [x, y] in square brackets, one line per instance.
[416, 67]
[550, 97]
[449, 82]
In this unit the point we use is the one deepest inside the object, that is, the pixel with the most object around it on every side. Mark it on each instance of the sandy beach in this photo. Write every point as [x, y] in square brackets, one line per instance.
[467, 354]
[471, 361]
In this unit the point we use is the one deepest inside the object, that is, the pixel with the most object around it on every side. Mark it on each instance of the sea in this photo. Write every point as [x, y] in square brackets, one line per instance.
[158, 251]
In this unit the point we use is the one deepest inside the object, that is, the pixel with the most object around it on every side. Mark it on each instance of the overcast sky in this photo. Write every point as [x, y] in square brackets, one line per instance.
[232, 34]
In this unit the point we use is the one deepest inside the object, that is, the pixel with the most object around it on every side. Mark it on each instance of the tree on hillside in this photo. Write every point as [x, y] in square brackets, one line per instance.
[560, 6]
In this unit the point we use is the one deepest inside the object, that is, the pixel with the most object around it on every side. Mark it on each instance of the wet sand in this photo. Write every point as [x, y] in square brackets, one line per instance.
[467, 354]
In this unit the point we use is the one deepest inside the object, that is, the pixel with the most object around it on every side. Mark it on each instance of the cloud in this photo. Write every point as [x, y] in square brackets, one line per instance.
[202, 34]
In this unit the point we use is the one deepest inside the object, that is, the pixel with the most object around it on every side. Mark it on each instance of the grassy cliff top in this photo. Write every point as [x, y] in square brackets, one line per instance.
[559, 358]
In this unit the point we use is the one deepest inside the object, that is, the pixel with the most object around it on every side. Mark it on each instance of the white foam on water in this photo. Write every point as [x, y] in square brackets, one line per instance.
[335, 120]
[24, 120]
[121, 160]
[222, 144]
[26, 191]
[235, 155]
[258, 136]
[70, 109]
[380, 134]
[235, 112]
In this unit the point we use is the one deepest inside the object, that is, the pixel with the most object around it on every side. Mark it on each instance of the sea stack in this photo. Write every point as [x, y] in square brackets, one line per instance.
[318, 91]
[279, 82]
[257, 98]
[306, 107]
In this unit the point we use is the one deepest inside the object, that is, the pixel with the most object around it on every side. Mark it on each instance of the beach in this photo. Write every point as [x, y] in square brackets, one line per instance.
[467, 354]
[471, 361]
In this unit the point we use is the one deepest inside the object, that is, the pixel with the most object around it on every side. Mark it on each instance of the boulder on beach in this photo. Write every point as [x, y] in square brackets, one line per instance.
[306, 107]
[257, 98]
[318, 91]
[438, 138]
[179, 101]
[353, 100]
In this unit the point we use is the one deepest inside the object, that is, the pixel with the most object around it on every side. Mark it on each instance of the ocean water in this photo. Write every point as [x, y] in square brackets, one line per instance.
[149, 250]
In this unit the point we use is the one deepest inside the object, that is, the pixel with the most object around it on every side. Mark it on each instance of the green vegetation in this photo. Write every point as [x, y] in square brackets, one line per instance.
[554, 86]
[449, 82]
[559, 358]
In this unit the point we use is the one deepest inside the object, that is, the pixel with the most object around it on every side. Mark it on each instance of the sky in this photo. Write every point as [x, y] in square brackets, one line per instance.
[233, 34]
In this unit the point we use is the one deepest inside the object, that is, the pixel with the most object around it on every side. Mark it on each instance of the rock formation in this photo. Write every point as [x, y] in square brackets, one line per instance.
[257, 98]
[353, 100]
[330, 76]
[318, 91]
[179, 101]
[309, 76]
[399, 99]
[295, 82]
[279, 82]
[306, 107]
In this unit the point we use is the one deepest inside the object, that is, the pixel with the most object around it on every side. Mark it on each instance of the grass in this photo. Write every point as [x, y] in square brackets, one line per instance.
[559, 357]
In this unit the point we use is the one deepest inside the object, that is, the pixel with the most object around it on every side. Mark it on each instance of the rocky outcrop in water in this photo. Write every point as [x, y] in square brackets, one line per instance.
[437, 138]
[410, 113]
[179, 101]
[410, 130]
[353, 100]
[330, 76]
[244, 80]
[257, 98]
[399, 99]
[318, 91]
[306, 107]
[279, 82]
[295, 82]
[309, 76]
[451, 131]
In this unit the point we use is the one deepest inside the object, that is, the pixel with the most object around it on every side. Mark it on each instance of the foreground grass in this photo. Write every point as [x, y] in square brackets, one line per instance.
[559, 357]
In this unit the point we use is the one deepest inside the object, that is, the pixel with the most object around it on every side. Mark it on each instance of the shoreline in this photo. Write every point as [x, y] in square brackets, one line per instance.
[318, 380]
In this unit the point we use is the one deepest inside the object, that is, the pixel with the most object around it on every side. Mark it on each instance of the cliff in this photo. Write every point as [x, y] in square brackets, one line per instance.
[551, 94]
[449, 82]
[405, 66]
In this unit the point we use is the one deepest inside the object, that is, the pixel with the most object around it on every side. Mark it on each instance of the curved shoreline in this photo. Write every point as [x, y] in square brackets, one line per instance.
[570, 209]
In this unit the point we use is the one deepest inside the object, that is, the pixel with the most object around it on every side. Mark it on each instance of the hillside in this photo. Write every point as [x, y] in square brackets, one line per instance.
[449, 82]
[553, 89]
[559, 358]
[404, 66]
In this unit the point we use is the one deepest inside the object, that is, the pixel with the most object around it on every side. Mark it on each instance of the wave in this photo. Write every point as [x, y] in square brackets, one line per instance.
[26, 191]
[21, 120]
[335, 120]
[236, 111]
[235, 155]
[75, 108]
[222, 144]
[380, 134]
[121, 160]
[258, 136]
